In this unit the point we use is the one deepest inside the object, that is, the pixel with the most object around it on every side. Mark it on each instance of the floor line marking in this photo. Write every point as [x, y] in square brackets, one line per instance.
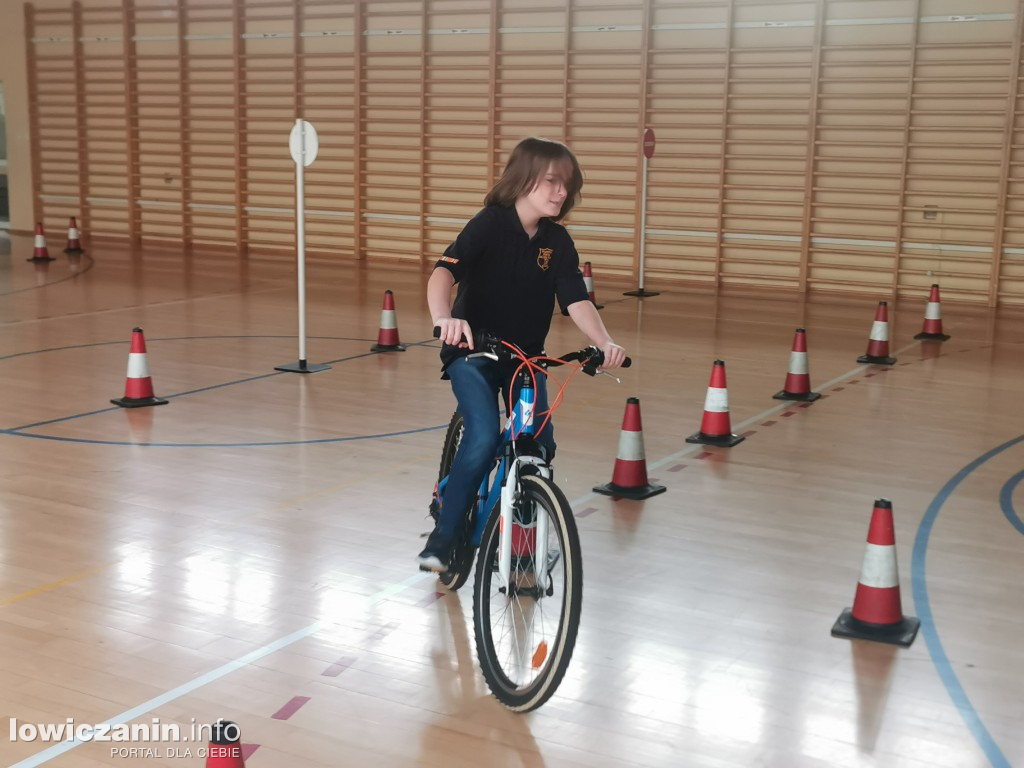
[213, 675]
[919, 579]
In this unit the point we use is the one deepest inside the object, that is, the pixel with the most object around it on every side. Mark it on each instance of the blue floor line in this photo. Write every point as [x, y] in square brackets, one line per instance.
[928, 629]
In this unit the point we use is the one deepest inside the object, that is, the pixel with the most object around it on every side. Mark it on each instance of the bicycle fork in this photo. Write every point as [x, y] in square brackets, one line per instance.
[511, 496]
[521, 423]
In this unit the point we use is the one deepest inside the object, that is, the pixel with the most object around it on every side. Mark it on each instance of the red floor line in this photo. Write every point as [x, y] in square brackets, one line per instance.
[289, 709]
[339, 666]
[384, 631]
[587, 511]
[247, 750]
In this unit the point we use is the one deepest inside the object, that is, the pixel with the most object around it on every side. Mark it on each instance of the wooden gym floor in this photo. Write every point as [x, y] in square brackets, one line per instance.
[246, 551]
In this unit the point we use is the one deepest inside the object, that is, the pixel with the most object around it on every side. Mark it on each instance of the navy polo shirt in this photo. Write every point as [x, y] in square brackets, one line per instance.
[508, 281]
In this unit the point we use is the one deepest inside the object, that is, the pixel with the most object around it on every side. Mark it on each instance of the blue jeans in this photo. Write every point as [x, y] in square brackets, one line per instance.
[476, 383]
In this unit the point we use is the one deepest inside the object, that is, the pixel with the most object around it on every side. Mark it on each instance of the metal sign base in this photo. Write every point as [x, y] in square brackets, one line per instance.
[641, 293]
[302, 367]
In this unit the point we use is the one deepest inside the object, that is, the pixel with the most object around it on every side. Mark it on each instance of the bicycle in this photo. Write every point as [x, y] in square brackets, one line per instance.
[528, 594]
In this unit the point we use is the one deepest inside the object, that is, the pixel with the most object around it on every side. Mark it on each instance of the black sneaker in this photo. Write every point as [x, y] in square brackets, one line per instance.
[437, 554]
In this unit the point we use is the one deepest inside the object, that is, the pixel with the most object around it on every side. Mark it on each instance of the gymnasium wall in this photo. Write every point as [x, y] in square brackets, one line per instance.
[861, 146]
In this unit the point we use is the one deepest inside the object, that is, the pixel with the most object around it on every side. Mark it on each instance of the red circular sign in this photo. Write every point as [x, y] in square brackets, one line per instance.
[648, 143]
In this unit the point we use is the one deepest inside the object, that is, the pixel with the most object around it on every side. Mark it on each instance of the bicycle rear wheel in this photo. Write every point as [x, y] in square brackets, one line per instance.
[462, 562]
[525, 634]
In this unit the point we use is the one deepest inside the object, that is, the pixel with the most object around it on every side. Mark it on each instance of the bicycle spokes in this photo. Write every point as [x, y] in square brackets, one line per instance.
[526, 607]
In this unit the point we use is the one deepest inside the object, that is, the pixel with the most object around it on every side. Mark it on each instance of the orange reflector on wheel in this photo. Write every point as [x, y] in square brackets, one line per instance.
[540, 654]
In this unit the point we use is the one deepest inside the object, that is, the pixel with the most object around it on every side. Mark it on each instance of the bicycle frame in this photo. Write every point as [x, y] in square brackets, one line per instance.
[503, 489]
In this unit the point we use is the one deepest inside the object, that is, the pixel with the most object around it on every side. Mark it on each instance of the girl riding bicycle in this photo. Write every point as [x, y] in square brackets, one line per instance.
[511, 261]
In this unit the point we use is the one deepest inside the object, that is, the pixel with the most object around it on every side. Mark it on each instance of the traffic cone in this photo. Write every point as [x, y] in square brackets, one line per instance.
[588, 280]
[74, 243]
[138, 388]
[714, 427]
[798, 381]
[387, 337]
[225, 750]
[932, 318]
[629, 478]
[877, 613]
[878, 340]
[40, 252]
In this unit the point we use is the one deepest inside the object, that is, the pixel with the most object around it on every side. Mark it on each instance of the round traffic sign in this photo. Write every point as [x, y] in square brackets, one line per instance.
[303, 142]
[648, 143]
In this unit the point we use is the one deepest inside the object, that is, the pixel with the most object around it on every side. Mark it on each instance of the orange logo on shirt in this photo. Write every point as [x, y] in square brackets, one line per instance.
[544, 258]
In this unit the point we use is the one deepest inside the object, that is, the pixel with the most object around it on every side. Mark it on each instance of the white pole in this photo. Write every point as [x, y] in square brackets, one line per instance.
[648, 151]
[643, 221]
[300, 217]
[303, 149]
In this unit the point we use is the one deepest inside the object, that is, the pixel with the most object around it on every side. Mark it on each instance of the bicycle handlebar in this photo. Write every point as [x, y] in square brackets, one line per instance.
[591, 357]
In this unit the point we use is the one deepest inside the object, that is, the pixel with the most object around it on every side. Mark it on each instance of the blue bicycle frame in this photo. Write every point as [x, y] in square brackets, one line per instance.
[521, 424]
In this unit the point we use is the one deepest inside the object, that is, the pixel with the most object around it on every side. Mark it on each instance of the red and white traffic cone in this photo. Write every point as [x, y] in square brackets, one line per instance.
[225, 750]
[588, 281]
[629, 478]
[715, 428]
[798, 381]
[74, 245]
[933, 318]
[877, 613]
[138, 388]
[878, 340]
[39, 251]
[387, 336]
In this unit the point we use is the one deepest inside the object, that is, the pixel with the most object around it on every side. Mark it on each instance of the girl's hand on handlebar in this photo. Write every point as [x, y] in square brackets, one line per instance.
[455, 332]
[614, 356]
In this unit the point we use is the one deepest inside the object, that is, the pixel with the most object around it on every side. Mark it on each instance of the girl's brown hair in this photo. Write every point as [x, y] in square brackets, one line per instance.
[528, 162]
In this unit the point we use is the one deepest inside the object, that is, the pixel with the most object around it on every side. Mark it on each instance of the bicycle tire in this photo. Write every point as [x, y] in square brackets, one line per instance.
[532, 693]
[462, 563]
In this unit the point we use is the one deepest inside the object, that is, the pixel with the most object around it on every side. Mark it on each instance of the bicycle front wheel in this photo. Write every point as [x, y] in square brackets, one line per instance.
[526, 630]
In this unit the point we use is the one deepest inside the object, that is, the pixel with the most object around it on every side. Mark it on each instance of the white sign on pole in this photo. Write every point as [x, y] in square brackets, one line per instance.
[303, 143]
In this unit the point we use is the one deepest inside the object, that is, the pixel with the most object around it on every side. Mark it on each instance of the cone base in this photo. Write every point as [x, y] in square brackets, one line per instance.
[635, 493]
[901, 633]
[74, 251]
[723, 441]
[388, 348]
[302, 366]
[935, 336]
[138, 402]
[876, 360]
[642, 293]
[41, 258]
[807, 397]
